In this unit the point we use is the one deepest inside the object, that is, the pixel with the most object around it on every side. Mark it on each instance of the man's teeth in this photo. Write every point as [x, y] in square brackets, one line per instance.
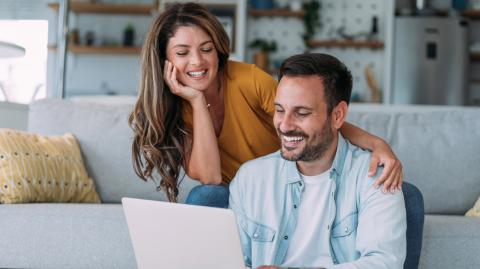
[197, 74]
[293, 138]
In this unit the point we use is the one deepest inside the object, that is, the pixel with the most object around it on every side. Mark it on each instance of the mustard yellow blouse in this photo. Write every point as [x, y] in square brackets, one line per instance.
[248, 130]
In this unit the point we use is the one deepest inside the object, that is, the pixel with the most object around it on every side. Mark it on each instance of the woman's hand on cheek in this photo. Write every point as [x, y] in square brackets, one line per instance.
[177, 88]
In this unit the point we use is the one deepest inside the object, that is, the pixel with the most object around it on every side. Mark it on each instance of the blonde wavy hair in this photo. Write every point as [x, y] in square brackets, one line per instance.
[161, 140]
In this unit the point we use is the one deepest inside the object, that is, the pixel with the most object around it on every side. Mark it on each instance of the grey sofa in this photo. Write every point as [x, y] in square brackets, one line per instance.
[438, 146]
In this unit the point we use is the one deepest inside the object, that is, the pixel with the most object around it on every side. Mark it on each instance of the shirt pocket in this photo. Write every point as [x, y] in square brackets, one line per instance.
[346, 226]
[258, 232]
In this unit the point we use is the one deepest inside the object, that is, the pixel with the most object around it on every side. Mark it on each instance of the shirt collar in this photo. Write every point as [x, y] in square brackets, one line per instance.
[292, 175]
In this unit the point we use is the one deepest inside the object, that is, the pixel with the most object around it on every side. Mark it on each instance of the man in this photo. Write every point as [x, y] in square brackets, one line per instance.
[312, 204]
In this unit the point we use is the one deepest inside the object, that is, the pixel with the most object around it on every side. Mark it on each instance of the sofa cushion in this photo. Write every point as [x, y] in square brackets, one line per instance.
[450, 242]
[438, 146]
[64, 236]
[37, 168]
[105, 141]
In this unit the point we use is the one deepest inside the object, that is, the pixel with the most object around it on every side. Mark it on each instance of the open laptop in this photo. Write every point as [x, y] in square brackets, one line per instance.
[179, 236]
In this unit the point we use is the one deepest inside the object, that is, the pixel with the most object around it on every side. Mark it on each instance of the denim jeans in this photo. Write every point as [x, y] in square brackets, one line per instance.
[415, 218]
[209, 195]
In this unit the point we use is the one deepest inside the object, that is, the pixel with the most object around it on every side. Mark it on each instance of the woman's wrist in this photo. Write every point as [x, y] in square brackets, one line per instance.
[198, 102]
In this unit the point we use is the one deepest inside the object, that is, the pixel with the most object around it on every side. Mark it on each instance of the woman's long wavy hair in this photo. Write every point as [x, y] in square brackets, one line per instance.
[161, 140]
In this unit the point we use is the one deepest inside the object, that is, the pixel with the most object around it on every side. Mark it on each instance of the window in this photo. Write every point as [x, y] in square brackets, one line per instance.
[23, 79]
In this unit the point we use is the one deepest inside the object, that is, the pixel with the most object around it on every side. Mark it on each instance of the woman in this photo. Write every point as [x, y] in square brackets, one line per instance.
[200, 111]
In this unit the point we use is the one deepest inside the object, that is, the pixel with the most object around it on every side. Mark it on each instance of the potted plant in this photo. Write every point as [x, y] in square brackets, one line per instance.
[263, 48]
[311, 20]
[129, 35]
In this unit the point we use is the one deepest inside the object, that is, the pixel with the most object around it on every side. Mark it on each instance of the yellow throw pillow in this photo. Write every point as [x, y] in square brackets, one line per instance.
[36, 168]
[475, 211]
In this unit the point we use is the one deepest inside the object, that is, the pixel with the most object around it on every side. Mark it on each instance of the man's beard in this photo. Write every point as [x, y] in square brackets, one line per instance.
[311, 152]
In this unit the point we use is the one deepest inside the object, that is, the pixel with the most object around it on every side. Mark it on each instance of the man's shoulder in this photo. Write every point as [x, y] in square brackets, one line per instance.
[260, 170]
[359, 155]
[355, 172]
[262, 164]
[357, 162]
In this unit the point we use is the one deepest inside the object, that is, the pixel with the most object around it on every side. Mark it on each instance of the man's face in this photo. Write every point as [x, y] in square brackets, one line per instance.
[301, 119]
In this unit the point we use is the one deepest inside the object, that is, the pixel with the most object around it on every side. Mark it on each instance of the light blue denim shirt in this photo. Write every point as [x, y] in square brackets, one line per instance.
[367, 228]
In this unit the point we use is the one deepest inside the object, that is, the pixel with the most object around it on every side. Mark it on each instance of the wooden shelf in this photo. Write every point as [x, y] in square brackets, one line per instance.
[345, 44]
[99, 8]
[472, 14]
[475, 56]
[81, 49]
[276, 13]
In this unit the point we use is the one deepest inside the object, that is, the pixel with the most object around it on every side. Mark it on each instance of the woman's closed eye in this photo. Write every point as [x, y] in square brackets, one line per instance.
[207, 50]
[181, 53]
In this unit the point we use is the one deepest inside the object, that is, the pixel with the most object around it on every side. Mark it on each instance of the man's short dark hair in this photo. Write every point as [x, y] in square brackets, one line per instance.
[337, 79]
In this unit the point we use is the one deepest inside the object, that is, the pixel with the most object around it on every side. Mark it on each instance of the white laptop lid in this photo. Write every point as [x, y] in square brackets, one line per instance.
[179, 236]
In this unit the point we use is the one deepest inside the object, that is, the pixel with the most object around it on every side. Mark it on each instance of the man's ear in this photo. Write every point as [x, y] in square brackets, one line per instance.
[339, 114]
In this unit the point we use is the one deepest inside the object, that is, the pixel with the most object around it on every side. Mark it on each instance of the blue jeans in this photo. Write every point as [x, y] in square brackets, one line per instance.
[415, 218]
[209, 195]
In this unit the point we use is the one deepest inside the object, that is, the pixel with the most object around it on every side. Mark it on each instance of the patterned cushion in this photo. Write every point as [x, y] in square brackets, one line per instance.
[475, 211]
[35, 168]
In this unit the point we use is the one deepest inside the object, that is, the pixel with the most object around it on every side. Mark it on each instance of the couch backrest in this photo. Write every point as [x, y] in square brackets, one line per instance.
[13, 115]
[438, 146]
[105, 140]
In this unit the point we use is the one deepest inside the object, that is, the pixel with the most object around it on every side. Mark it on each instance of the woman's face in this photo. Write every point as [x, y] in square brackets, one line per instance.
[192, 52]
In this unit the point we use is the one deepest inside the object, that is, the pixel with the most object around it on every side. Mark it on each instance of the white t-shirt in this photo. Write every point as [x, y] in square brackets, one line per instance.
[312, 226]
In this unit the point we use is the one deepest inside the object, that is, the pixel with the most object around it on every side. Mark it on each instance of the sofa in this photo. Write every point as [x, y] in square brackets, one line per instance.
[438, 146]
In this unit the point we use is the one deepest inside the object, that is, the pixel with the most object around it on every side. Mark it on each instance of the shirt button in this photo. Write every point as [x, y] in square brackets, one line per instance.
[285, 237]
[255, 235]
[300, 184]
[295, 206]
[346, 229]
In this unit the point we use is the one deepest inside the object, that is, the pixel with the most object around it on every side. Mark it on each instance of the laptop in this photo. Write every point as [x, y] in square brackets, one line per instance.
[179, 236]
